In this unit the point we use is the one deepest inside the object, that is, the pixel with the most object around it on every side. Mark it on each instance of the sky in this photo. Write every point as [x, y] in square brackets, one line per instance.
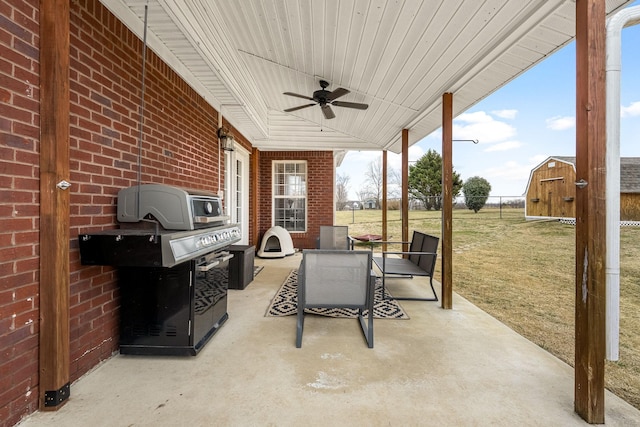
[521, 124]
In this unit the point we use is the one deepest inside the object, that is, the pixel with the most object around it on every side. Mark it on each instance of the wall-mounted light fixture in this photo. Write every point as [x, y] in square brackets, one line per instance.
[226, 139]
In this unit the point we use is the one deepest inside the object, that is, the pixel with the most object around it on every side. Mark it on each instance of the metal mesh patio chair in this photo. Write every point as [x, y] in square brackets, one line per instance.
[419, 260]
[334, 237]
[336, 279]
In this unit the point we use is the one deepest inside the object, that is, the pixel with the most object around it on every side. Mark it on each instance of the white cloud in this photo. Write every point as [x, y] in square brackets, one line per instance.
[536, 160]
[504, 146]
[511, 177]
[505, 114]
[561, 123]
[632, 110]
[483, 127]
[476, 117]
[394, 161]
[356, 164]
[361, 157]
[415, 152]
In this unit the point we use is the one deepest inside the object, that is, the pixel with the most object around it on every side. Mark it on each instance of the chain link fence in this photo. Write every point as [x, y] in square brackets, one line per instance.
[490, 207]
[494, 206]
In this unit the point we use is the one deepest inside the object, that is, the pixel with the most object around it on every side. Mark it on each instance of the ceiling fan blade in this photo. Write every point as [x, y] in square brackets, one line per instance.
[337, 93]
[350, 105]
[288, 110]
[327, 111]
[298, 96]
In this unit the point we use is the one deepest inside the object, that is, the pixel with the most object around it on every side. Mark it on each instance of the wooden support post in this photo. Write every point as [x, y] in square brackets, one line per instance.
[405, 188]
[54, 204]
[384, 199]
[447, 201]
[590, 210]
[255, 197]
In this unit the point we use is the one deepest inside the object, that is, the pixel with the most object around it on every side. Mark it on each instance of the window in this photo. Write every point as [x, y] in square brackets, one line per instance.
[290, 195]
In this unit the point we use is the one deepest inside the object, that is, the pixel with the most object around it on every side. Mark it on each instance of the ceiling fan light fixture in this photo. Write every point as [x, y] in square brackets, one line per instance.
[325, 99]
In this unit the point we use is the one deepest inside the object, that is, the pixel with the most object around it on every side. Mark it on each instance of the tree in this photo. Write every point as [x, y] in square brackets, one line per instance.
[476, 192]
[342, 190]
[374, 180]
[394, 190]
[425, 181]
[364, 194]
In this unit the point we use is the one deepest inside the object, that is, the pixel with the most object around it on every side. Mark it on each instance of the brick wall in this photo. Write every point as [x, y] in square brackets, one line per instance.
[320, 209]
[179, 148]
[19, 187]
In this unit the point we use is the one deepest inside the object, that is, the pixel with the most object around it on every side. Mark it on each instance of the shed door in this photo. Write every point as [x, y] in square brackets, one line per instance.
[554, 189]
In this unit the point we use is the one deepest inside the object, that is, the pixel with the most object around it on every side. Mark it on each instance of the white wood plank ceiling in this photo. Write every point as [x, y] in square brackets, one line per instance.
[397, 56]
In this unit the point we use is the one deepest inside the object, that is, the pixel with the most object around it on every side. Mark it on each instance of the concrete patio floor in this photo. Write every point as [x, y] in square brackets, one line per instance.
[457, 367]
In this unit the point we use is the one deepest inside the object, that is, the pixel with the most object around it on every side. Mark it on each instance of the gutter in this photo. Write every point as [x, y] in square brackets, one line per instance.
[615, 24]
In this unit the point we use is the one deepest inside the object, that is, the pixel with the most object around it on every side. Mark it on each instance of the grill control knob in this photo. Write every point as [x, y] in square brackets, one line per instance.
[208, 208]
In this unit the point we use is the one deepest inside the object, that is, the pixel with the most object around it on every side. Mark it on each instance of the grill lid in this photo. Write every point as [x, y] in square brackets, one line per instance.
[173, 207]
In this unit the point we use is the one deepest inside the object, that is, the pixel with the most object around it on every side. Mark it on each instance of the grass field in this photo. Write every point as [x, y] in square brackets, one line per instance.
[523, 273]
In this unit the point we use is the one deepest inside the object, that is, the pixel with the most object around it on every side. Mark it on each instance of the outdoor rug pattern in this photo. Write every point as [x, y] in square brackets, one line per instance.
[285, 303]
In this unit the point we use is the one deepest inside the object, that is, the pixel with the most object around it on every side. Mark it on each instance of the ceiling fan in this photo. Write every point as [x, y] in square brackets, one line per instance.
[326, 99]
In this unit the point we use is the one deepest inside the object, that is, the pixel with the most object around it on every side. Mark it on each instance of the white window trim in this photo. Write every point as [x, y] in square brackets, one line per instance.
[231, 190]
[274, 197]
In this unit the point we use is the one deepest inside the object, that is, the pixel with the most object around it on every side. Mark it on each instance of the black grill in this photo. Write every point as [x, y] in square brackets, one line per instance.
[173, 264]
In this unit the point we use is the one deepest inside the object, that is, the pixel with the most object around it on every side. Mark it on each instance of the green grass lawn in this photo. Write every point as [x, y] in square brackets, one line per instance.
[523, 273]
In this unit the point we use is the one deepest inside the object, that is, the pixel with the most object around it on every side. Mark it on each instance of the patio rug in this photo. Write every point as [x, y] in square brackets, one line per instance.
[285, 303]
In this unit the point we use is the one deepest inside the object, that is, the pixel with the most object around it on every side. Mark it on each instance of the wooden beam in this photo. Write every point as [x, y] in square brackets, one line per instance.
[384, 199]
[405, 188]
[590, 210]
[447, 201]
[54, 204]
[255, 199]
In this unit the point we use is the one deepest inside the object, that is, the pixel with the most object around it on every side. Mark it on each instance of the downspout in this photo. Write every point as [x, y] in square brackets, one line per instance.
[220, 192]
[615, 24]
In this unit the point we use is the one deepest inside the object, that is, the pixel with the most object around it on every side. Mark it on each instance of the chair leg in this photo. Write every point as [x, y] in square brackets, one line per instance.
[370, 328]
[299, 327]
[435, 296]
[384, 293]
[367, 327]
